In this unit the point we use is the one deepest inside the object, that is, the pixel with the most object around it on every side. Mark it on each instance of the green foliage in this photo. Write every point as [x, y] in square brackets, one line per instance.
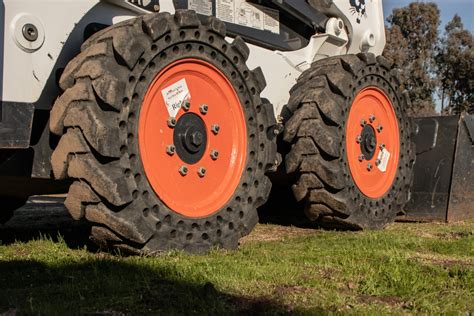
[455, 60]
[429, 63]
[411, 41]
[407, 268]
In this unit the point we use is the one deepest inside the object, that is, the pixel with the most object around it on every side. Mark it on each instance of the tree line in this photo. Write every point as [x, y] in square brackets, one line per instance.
[436, 67]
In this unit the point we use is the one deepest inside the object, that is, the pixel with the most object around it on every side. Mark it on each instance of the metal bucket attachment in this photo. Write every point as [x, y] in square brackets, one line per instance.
[443, 186]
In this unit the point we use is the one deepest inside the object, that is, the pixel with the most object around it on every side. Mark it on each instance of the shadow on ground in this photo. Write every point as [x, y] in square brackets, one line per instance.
[112, 287]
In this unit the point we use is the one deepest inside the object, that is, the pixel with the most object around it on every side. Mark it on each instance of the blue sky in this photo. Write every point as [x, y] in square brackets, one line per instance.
[464, 8]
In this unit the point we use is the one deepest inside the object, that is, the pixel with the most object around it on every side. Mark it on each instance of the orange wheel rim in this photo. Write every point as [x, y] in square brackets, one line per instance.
[372, 142]
[193, 194]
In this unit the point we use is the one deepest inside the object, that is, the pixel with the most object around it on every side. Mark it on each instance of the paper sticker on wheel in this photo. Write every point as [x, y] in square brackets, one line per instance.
[175, 95]
[383, 158]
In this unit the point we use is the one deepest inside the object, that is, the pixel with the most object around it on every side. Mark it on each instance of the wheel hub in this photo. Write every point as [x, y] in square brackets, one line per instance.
[190, 138]
[369, 142]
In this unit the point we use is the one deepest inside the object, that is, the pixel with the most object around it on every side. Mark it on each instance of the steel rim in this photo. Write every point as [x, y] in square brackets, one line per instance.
[372, 142]
[188, 187]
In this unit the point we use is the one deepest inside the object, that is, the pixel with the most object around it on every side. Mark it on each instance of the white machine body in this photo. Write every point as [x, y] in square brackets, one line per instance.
[29, 68]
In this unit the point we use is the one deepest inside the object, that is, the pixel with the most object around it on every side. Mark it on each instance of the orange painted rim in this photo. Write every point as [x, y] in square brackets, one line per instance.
[193, 195]
[373, 176]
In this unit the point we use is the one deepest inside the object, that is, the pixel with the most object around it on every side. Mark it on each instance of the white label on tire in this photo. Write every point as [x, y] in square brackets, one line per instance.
[203, 7]
[175, 95]
[384, 157]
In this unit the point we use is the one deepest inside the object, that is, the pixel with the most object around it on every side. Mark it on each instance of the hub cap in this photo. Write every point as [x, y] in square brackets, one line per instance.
[195, 182]
[372, 142]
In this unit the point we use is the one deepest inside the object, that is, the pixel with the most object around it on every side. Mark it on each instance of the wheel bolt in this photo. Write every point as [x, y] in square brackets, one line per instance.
[382, 146]
[186, 105]
[170, 150]
[203, 108]
[372, 118]
[183, 170]
[202, 172]
[171, 122]
[361, 158]
[214, 154]
[377, 162]
[379, 128]
[369, 167]
[358, 139]
[215, 129]
[363, 122]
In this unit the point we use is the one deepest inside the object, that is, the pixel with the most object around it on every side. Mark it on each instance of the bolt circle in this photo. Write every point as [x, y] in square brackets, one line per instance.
[215, 128]
[202, 172]
[171, 122]
[183, 170]
[170, 150]
[203, 109]
[214, 154]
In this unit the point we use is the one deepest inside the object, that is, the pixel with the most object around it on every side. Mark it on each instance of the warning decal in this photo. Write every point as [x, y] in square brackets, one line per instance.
[251, 15]
[203, 7]
[383, 157]
[175, 95]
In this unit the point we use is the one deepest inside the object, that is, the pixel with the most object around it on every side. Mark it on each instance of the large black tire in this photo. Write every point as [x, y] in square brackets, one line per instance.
[315, 125]
[96, 116]
[8, 205]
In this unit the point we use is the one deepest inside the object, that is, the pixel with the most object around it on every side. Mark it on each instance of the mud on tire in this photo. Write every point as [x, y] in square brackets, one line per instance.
[97, 119]
[315, 125]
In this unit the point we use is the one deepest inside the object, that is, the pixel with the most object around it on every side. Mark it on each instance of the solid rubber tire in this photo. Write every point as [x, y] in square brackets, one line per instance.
[97, 116]
[315, 122]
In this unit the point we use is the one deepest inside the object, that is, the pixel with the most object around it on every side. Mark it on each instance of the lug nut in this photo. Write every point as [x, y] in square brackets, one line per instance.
[363, 122]
[202, 172]
[377, 162]
[361, 158]
[358, 139]
[214, 154]
[183, 170]
[170, 150]
[372, 118]
[203, 109]
[382, 146]
[171, 122]
[215, 129]
[379, 128]
[186, 105]
[369, 167]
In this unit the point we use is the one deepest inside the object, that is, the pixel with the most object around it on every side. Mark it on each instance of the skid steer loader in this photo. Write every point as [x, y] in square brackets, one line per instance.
[161, 118]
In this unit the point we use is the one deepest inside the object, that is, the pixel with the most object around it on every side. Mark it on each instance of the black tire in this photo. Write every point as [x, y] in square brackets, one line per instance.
[96, 117]
[8, 205]
[315, 121]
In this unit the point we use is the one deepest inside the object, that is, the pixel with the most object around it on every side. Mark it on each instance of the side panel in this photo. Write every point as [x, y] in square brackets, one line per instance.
[31, 68]
[461, 199]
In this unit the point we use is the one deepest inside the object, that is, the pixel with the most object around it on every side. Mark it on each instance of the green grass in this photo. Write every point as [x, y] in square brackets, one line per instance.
[407, 268]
